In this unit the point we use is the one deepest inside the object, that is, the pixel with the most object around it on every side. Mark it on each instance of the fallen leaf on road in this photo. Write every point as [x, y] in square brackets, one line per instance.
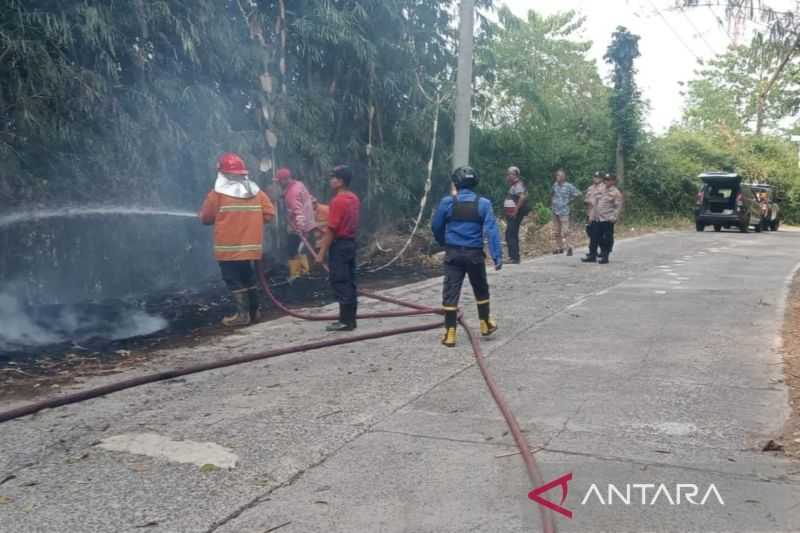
[772, 446]
[73, 460]
[4, 500]
[208, 467]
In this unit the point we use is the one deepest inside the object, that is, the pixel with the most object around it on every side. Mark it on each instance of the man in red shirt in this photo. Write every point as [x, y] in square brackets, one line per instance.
[340, 240]
[301, 220]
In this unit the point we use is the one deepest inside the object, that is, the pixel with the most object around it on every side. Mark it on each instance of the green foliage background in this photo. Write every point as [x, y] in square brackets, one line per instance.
[131, 101]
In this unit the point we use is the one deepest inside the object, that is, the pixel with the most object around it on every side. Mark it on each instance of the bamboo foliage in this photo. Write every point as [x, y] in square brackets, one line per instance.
[138, 97]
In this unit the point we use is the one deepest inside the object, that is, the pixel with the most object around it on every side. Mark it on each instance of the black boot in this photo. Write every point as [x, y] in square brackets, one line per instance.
[255, 307]
[346, 320]
[603, 260]
[242, 315]
[353, 315]
[589, 259]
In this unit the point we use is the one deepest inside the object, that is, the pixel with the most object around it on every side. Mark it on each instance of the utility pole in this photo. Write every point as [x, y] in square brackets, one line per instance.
[464, 84]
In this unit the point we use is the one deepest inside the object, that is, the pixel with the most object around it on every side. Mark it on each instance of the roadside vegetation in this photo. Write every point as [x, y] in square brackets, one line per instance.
[132, 101]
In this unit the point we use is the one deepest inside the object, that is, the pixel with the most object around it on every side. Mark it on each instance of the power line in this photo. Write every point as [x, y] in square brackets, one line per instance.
[721, 24]
[674, 32]
[699, 33]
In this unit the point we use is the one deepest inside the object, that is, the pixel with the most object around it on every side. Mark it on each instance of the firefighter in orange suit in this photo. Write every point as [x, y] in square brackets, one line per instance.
[238, 210]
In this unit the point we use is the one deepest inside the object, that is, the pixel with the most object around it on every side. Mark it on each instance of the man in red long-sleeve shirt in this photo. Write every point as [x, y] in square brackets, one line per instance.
[301, 219]
[340, 240]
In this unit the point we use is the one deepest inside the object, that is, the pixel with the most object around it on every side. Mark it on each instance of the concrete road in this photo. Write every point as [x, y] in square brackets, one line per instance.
[654, 381]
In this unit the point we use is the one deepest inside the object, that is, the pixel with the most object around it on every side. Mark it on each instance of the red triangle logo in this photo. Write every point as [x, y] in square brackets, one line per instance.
[563, 481]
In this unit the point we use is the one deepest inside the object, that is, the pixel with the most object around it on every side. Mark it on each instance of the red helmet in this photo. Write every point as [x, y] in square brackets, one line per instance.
[283, 174]
[230, 163]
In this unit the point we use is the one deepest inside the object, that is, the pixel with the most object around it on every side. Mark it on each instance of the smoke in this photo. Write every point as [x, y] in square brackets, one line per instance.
[17, 328]
[137, 324]
[22, 327]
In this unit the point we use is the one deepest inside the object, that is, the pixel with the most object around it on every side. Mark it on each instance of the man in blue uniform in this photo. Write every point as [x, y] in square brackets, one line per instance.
[460, 224]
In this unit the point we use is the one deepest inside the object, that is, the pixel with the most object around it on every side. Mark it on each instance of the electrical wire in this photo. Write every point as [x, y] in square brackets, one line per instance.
[674, 32]
[698, 33]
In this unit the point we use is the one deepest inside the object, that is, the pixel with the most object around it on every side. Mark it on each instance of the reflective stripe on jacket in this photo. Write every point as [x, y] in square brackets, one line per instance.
[238, 225]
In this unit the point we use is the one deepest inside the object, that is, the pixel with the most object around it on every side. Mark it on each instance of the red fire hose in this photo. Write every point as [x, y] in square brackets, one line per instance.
[548, 524]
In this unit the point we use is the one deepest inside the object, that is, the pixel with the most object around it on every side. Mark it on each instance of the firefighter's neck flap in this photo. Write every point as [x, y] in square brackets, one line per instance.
[237, 187]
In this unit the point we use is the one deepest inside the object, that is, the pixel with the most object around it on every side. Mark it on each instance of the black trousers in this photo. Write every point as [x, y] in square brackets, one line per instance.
[238, 275]
[512, 237]
[342, 262]
[593, 230]
[460, 262]
[292, 244]
[605, 237]
[512, 233]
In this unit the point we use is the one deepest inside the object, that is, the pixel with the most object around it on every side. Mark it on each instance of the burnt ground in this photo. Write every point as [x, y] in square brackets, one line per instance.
[193, 316]
[791, 369]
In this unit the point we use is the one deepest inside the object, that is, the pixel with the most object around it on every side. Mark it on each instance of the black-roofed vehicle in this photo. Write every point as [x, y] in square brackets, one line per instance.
[725, 201]
[770, 210]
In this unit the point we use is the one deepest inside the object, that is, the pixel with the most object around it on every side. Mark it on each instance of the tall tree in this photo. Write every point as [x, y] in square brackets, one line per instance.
[781, 36]
[626, 104]
[728, 92]
[541, 101]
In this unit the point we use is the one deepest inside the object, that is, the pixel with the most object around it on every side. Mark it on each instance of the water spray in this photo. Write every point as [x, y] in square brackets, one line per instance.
[72, 212]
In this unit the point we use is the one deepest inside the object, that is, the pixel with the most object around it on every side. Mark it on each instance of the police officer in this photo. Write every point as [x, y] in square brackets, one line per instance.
[459, 224]
[592, 196]
[609, 206]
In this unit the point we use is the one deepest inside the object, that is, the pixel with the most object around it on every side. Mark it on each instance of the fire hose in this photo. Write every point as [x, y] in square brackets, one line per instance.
[548, 524]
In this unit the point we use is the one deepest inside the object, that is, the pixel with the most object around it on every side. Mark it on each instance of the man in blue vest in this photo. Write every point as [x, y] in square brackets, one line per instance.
[460, 223]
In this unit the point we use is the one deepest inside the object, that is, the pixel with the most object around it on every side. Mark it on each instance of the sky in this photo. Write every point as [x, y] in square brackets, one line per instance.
[672, 41]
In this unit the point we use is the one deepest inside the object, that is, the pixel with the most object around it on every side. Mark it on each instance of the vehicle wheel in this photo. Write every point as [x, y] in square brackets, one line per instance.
[758, 226]
[717, 227]
[699, 227]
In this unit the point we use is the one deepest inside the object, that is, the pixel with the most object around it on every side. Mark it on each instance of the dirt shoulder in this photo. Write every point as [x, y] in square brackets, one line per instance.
[537, 239]
[791, 368]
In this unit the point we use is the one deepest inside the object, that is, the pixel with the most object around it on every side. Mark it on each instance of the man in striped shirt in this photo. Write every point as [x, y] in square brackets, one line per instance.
[238, 210]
